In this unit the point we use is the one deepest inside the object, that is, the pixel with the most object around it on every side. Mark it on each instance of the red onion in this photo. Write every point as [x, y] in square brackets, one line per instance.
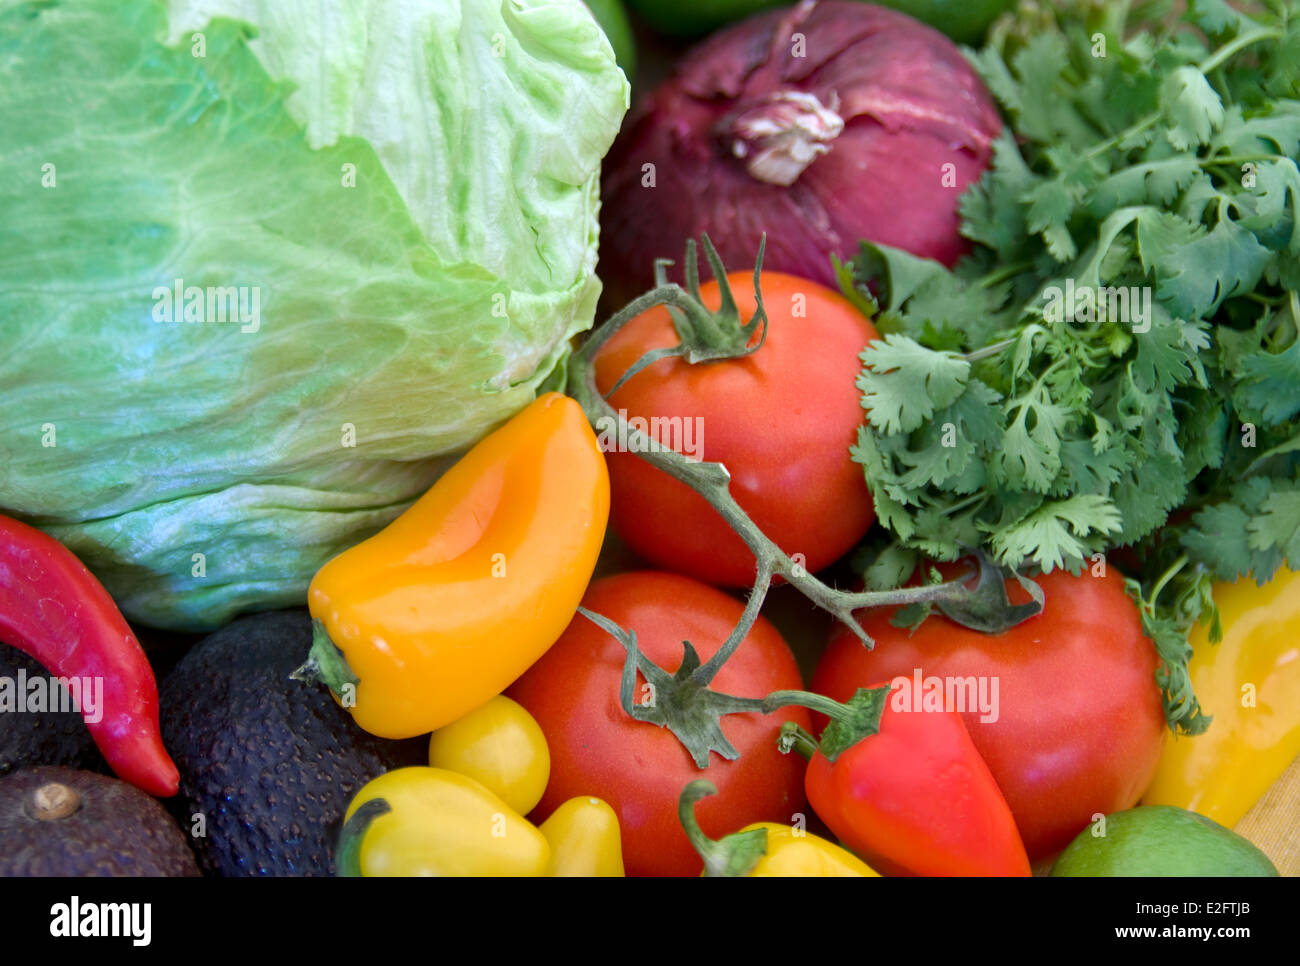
[820, 124]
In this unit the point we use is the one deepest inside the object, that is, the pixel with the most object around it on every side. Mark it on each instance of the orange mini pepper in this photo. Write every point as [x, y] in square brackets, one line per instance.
[458, 596]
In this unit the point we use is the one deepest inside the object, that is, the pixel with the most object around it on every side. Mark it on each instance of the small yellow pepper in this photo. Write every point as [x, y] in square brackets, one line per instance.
[789, 855]
[585, 840]
[458, 596]
[1250, 683]
[765, 849]
[431, 822]
[502, 747]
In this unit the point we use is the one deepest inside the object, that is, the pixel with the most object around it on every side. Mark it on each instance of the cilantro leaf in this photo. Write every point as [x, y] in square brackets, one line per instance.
[1031, 448]
[1192, 108]
[1276, 128]
[896, 274]
[1274, 204]
[1162, 234]
[990, 209]
[1167, 355]
[1089, 471]
[1052, 535]
[1270, 383]
[1039, 64]
[1155, 182]
[1278, 523]
[1219, 539]
[890, 511]
[1220, 536]
[1267, 383]
[1182, 710]
[887, 567]
[1197, 276]
[902, 382]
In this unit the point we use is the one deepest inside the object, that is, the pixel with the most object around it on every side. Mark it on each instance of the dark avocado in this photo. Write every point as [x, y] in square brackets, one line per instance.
[41, 737]
[268, 764]
[58, 821]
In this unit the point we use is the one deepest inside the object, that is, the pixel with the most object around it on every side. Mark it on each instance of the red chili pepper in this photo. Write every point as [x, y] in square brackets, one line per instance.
[54, 610]
[915, 798]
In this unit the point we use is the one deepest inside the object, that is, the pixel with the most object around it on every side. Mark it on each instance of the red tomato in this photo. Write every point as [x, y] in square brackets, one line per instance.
[639, 768]
[1079, 724]
[781, 420]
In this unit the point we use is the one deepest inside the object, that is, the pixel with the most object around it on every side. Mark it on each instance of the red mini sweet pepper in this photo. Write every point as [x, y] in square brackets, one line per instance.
[901, 784]
[54, 610]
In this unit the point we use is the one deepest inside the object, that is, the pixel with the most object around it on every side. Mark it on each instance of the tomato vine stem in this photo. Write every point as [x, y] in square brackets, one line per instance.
[690, 710]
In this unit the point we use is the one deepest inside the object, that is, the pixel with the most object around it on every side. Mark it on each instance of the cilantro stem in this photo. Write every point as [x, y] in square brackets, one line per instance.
[962, 504]
[1002, 274]
[1264, 457]
[1167, 576]
[1021, 403]
[1114, 17]
[1278, 325]
[996, 348]
[1236, 44]
[1136, 128]
[1277, 331]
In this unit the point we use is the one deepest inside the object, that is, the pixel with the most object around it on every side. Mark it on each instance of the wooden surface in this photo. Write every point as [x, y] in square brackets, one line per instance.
[1274, 823]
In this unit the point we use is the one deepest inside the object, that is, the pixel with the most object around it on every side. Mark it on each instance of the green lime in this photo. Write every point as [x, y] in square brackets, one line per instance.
[690, 18]
[1160, 840]
[613, 20]
[963, 20]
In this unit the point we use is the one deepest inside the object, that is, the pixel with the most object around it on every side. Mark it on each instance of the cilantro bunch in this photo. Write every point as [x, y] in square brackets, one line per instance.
[1117, 363]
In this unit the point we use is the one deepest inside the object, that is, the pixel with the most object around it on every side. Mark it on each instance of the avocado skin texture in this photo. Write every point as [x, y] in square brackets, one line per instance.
[271, 763]
[117, 830]
[42, 738]
[1161, 840]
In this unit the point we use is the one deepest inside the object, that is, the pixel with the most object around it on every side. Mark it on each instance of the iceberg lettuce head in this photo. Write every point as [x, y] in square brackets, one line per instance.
[267, 265]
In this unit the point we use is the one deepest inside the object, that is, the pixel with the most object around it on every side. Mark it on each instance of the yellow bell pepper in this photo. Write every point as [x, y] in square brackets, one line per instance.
[765, 849]
[585, 840]
[1250, 683]
[458, 596]
[431, 822]
[502, 747]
